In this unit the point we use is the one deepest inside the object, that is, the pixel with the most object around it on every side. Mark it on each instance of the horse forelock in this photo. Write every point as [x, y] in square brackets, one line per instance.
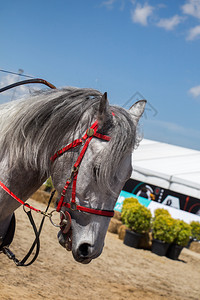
[32, 129]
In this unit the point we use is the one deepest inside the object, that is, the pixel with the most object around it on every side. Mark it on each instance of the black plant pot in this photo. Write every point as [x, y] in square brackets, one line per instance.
[174, 251]
[189, 243]
[159, 247]
[132, 239]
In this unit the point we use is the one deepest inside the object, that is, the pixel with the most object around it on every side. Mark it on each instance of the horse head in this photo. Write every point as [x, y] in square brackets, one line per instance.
[102, 173]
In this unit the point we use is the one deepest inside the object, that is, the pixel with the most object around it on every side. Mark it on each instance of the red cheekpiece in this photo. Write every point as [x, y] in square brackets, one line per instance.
[90, 133]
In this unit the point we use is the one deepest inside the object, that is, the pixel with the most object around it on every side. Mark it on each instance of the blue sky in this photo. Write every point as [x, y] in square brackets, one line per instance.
[131, 49]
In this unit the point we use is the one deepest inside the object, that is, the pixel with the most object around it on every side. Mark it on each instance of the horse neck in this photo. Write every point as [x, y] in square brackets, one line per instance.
[23, 183]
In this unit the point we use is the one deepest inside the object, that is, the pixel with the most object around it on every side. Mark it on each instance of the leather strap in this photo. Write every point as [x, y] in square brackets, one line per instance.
[36, 242]
[6, 189]
[7, 240]
[28, 81]
[104, 213]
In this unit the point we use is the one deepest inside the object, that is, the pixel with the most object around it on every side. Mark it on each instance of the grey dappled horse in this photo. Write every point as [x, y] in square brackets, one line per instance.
[32, 130]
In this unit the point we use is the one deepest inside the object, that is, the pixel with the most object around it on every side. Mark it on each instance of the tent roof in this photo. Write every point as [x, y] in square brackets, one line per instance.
[171, 167]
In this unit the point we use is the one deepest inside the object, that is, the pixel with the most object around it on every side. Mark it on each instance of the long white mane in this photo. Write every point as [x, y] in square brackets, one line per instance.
[31, 129]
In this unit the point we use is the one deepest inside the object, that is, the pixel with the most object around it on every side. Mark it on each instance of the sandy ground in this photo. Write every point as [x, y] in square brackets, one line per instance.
[119, 273]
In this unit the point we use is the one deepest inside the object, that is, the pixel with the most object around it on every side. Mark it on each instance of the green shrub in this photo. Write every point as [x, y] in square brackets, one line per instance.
[48, 185]
[183, 233]
[137, 217]
[163, 228]
[161, 211]
[195, 230]
[128, 202]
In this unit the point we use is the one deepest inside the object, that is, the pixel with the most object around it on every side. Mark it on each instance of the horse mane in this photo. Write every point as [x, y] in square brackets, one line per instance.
[31, 129]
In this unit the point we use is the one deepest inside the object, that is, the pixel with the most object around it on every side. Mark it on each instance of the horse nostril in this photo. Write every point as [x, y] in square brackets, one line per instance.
[83, 249]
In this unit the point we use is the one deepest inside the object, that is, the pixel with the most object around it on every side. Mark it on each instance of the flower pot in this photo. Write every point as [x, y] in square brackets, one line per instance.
[174, 251]
[159, 247]
[189, 243]
[132, 239]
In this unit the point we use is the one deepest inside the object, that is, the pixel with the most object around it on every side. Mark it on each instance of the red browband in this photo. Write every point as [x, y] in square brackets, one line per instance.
[90, 133]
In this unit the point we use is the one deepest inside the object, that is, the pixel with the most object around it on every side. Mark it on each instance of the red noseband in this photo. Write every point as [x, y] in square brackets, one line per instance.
[86, 139]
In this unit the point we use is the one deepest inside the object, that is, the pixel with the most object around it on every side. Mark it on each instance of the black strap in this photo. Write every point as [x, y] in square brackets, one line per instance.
[7, 240]
[36, 242]
[28, 81]
[37, 236]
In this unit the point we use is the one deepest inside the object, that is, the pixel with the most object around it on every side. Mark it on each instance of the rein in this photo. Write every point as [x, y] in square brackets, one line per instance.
[5, 248]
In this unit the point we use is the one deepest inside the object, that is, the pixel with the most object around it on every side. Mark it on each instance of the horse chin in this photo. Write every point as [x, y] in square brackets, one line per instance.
[82, 260]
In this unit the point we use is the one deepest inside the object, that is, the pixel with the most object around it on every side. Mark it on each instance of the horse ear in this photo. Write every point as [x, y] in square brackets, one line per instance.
[137, 110]
[104, 112]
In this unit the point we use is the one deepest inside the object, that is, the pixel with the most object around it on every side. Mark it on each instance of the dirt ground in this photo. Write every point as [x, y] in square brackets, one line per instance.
[119, 273]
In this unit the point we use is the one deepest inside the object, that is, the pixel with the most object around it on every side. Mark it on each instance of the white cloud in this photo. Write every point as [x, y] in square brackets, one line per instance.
[193, 33]
[192, 8]
[8, 79]
[17, 92]
[172, 133]
[170, 23]
[195, 91]
[109, 3]
[141, 14]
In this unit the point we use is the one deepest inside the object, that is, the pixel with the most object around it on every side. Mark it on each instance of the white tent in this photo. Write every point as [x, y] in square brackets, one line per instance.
[168, 166]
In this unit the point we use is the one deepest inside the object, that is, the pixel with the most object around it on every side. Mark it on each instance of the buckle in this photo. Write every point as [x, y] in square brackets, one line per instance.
[73, 205]
[74, 170]
[90, 132]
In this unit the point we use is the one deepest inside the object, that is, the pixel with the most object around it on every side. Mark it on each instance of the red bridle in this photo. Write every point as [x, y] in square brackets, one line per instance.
[65, 221]
[86, 139]
[90, 133]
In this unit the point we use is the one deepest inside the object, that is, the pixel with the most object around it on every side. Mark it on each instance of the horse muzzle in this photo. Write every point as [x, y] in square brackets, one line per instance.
[85, 253]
